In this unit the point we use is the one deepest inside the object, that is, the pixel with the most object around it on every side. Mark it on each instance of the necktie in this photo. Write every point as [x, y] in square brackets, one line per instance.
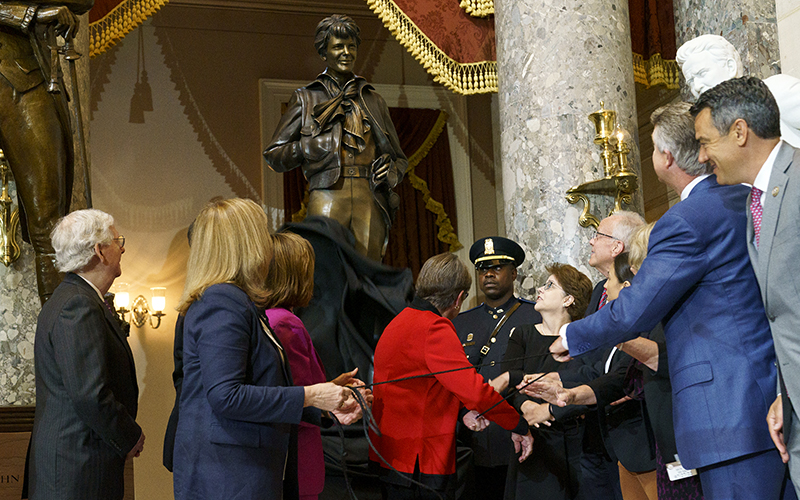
[604, 298]
[756, 210]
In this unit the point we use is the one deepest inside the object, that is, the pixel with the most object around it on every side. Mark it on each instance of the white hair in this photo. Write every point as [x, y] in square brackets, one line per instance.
[75, 236]
[625, 222]
[715, 45]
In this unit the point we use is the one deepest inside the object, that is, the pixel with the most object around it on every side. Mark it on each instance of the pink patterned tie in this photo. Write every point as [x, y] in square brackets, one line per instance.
[756, 210]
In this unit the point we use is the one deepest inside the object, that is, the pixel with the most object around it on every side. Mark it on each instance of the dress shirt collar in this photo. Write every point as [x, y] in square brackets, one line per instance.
[762, 179]
[688, 189]
[92, 285]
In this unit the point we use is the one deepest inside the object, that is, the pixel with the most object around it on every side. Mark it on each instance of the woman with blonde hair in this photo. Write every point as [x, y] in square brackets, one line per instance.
[238, 409]
[292, 285]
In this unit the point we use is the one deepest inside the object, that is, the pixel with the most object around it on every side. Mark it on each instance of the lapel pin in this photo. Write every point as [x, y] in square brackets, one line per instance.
[775, 191]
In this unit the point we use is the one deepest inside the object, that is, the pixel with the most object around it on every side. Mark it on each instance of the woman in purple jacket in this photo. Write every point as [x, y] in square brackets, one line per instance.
[291, 284]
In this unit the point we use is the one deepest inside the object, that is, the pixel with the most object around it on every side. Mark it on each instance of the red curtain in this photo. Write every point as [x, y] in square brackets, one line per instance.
[415, 235]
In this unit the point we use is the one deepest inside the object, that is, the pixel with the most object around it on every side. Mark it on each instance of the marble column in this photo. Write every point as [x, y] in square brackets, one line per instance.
[556, 62]
[750, 25]
[19, 308]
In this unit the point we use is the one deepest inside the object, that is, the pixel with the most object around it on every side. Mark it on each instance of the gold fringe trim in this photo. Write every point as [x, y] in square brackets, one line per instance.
[478, 8]
[446, 233]
[461, 78]
[125, 17]
[656, 71]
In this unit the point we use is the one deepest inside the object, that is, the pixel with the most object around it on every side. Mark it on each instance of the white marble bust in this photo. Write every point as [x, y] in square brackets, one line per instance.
[710, 59]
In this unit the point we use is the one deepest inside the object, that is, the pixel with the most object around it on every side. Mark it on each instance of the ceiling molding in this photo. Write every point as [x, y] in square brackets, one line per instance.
[315, 7]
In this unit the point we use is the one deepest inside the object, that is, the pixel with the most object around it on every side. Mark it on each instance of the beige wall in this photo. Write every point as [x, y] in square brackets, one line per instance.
[202, 140]
[788, 14]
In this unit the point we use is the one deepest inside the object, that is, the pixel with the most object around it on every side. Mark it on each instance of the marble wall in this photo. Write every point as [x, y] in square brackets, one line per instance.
[750, 25]
[557, 61]
[19, 308]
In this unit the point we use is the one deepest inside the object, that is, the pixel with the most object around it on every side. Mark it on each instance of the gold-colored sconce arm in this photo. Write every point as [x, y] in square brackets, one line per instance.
[619, 181]
[140, 313]
[9, 219]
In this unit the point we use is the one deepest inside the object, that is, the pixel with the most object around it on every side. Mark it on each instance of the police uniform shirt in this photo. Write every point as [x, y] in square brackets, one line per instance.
[474, 328]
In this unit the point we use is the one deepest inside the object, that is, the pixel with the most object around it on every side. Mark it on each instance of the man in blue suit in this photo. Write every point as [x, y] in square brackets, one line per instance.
[698, 280]
[738, 125]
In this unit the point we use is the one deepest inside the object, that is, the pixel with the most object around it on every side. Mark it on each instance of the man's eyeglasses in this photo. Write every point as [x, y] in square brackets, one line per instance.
[120, 240]
[598, 233]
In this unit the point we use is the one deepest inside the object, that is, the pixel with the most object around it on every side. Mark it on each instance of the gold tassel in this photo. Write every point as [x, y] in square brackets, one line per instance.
[125, 17]
[478, 8]
[444, 69]
[656, 71]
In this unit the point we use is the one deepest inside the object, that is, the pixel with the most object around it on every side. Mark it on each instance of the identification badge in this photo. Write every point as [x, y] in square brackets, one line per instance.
[676, 471]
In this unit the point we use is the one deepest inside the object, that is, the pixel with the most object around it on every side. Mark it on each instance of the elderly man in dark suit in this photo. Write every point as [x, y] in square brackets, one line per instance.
[738, 125]
[86, 391]
[34, 133]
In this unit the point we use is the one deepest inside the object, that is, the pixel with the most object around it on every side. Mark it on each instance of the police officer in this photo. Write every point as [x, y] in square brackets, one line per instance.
[484, 332]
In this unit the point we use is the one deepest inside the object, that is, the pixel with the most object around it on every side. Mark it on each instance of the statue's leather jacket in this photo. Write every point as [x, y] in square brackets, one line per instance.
[298, 142]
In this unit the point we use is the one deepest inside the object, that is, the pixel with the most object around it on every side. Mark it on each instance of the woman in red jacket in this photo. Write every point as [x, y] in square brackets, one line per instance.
[417, 417]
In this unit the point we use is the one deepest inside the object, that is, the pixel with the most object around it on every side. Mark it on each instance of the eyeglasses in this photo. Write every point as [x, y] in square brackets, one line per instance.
[598, 233]
[549, 284]
[120, 240]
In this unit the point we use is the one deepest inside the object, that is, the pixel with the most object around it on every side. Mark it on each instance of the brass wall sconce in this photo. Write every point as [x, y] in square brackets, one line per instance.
[9, 221]
[140, 310]
[618, 181]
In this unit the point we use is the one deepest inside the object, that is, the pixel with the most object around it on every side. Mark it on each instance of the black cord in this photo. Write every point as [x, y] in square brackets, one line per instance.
[432, 374]
[515, 391]
[369, 423]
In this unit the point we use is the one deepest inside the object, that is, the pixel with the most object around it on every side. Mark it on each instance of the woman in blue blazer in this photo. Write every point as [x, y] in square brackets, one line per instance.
[238, 409]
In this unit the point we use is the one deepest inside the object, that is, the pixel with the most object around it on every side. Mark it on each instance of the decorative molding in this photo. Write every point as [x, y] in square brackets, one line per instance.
[317, 7]
[16, 418]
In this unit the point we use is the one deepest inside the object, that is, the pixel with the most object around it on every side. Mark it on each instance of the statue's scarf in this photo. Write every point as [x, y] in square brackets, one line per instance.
[345, 105]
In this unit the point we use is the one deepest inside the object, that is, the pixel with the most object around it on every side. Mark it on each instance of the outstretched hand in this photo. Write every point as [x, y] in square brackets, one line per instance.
[558, 351]
[551, 391]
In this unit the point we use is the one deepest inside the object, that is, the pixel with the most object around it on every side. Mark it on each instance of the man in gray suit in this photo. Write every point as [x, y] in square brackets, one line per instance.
[738, 126]
[86, 391]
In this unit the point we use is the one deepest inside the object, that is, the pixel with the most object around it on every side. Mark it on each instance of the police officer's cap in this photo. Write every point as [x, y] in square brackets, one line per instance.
[496, 248]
